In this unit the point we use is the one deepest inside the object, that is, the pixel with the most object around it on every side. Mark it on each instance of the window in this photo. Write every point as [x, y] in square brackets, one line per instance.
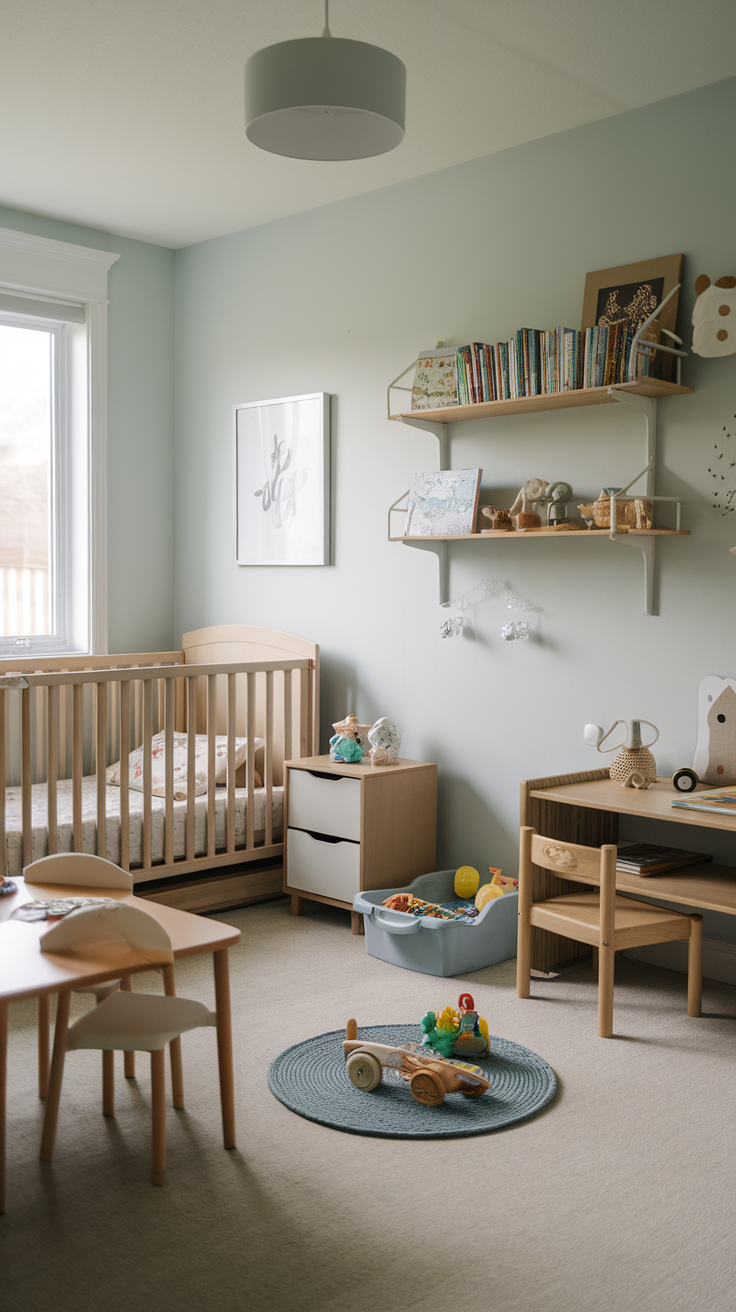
[53, 551]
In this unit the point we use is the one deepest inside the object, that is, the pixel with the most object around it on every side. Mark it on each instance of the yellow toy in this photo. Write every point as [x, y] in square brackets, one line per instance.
[499, 885]
[467, 880]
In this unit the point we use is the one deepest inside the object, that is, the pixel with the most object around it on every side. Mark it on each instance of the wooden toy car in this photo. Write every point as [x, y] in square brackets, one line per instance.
[429, 1077]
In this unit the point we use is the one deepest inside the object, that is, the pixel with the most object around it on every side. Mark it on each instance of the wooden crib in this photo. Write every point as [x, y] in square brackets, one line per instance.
[64, 721]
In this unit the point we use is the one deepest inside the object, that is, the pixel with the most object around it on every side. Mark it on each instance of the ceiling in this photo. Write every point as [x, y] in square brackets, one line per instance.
[129, 116]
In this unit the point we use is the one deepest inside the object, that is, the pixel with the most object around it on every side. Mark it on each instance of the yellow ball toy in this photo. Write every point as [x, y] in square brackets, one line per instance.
[486, 894]
[466, 882]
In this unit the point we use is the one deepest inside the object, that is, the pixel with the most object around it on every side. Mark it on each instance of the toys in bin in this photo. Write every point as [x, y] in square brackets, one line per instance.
[462, 1032]
[464, 908]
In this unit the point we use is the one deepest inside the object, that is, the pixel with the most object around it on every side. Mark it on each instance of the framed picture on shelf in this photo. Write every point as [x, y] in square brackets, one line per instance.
[443, 503]
[282, 481]
[631, 293]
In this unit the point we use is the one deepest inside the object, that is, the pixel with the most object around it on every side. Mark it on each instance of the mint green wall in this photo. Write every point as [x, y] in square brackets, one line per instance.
[140, 431]
[339, 299]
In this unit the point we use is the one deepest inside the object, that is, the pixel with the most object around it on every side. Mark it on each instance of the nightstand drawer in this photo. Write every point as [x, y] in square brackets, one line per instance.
[314, 865]
[324, 804]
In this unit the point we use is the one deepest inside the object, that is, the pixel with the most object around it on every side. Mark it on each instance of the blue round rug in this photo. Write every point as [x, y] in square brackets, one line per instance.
[310, 1079]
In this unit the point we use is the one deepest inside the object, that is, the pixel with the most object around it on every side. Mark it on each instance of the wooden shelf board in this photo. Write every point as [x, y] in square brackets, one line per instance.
[654, 803]
[651, 387]
[708, 886]
[530, 534]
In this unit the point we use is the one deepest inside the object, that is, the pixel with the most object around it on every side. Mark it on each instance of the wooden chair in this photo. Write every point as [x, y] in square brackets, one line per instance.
[85, 870]
[128, 1022]
[608, 922]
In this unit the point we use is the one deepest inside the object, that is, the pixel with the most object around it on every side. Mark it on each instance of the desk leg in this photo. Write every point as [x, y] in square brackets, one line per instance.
[225, 1044]
[177, 1073]
[51, 1115]
[695, 966]
[126, 985]
[43, 1044]
[3, 1086]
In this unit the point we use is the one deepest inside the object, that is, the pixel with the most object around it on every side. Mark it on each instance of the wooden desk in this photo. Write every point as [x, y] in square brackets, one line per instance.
[26, 972]
[585, 808]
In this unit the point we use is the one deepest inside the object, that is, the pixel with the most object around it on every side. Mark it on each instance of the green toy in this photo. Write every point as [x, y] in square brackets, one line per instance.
[456, 1032]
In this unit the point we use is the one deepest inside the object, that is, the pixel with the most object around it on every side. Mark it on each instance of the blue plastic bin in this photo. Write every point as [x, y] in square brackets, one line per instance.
[438, 947]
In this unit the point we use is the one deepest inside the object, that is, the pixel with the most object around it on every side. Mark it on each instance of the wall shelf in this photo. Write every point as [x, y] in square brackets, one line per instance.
[532, 533]
[641, 395]
[654, 388]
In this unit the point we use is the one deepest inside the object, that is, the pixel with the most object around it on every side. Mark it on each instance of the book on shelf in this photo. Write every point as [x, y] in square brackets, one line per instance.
[536, 363]
[721, 801]
[443, 503]
[435, 380]
[652, 859]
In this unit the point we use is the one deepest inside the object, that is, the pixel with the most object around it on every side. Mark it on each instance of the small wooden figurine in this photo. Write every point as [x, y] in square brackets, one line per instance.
[523, 512]
[500, 519]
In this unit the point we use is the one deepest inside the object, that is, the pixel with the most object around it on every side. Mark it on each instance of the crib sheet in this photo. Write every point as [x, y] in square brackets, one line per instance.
[14, 835]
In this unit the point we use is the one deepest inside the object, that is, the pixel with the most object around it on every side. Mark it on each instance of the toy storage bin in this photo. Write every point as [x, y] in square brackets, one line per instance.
[438, 947]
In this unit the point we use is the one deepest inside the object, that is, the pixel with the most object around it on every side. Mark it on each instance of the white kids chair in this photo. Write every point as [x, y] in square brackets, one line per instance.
[137, 1022]
[84, 870]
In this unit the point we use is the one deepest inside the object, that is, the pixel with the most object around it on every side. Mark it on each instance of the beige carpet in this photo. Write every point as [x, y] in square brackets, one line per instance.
[619, 1197]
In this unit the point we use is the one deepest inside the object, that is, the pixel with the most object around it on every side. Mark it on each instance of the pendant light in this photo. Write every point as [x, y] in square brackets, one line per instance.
[325, 97]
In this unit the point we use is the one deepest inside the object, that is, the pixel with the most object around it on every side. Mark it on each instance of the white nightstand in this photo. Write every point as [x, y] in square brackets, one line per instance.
[352, 827]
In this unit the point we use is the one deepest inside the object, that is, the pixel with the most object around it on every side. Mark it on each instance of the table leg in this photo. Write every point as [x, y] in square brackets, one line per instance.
[51, 1115]
[177, 1073]
[356, 922]
[43, 1044]
[3, 1082]
[108, 1083]
[126, 985]
[225, 1044]
[695, 967]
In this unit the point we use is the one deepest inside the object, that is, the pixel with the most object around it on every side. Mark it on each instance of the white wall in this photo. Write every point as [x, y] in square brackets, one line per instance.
[339, 299]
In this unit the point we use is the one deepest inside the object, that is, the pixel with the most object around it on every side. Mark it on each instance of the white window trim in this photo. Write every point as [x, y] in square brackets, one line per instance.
[59, 270]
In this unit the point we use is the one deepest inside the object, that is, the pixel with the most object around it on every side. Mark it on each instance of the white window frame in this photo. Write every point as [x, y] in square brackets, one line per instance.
[39, 269]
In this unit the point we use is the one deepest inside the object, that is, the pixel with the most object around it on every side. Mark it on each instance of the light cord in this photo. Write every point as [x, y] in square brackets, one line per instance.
[327, 31]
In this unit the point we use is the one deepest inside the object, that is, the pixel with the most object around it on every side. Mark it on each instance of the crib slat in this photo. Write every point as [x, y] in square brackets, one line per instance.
[124, 779]
[52, 751]
[231, 696]
[101, 769]
[169, 710]
[3, 840]
[305, 713]
[26, 794]
[268, 758]
[191, 742]
[211, 745]
[147, 736]
[77, 765]
[38, 725]
[250, 763]
[287, 715]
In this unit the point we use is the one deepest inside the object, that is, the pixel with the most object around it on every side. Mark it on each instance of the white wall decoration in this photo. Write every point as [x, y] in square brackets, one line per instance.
[282, 481]
[714, 761]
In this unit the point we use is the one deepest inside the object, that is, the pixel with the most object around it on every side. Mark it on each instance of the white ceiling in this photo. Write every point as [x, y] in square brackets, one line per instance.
[129, 116]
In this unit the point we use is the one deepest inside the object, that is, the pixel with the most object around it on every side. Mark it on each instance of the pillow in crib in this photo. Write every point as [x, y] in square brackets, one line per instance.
[158, 764]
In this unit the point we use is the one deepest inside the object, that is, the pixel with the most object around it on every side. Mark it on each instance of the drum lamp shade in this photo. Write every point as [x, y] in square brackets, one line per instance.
[325, 98]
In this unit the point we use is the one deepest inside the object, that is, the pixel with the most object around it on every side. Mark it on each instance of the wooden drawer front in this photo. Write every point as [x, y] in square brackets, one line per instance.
[324, 804]
[316, 866]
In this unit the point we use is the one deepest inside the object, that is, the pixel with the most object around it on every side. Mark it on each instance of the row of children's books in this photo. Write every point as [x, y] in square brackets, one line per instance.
[533, 363]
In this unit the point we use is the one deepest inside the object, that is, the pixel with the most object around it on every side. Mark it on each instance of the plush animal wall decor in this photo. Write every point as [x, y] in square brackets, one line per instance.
[714, 761]
[714, 316]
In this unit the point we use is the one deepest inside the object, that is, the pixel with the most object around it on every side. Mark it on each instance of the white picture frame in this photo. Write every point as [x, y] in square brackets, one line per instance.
[282, 480]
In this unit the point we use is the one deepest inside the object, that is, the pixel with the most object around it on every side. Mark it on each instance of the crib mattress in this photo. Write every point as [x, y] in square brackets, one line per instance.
[39, 809]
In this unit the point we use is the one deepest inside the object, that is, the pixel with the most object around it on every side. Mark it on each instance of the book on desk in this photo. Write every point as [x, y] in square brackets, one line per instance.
[721, 801]
[652, 859]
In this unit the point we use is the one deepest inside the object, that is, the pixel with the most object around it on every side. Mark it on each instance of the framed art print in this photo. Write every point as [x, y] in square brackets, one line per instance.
[282, 481]
[631, 293]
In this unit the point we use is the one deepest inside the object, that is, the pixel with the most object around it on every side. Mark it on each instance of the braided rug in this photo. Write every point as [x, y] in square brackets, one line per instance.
[310, 1079]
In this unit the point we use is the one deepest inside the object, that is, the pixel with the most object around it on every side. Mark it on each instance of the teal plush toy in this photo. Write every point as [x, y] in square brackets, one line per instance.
[439, 1032]
[345, 749]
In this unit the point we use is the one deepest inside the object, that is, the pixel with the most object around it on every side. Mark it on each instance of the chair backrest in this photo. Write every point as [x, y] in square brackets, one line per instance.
[117, 921]
[80, 868]
[571, 860]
